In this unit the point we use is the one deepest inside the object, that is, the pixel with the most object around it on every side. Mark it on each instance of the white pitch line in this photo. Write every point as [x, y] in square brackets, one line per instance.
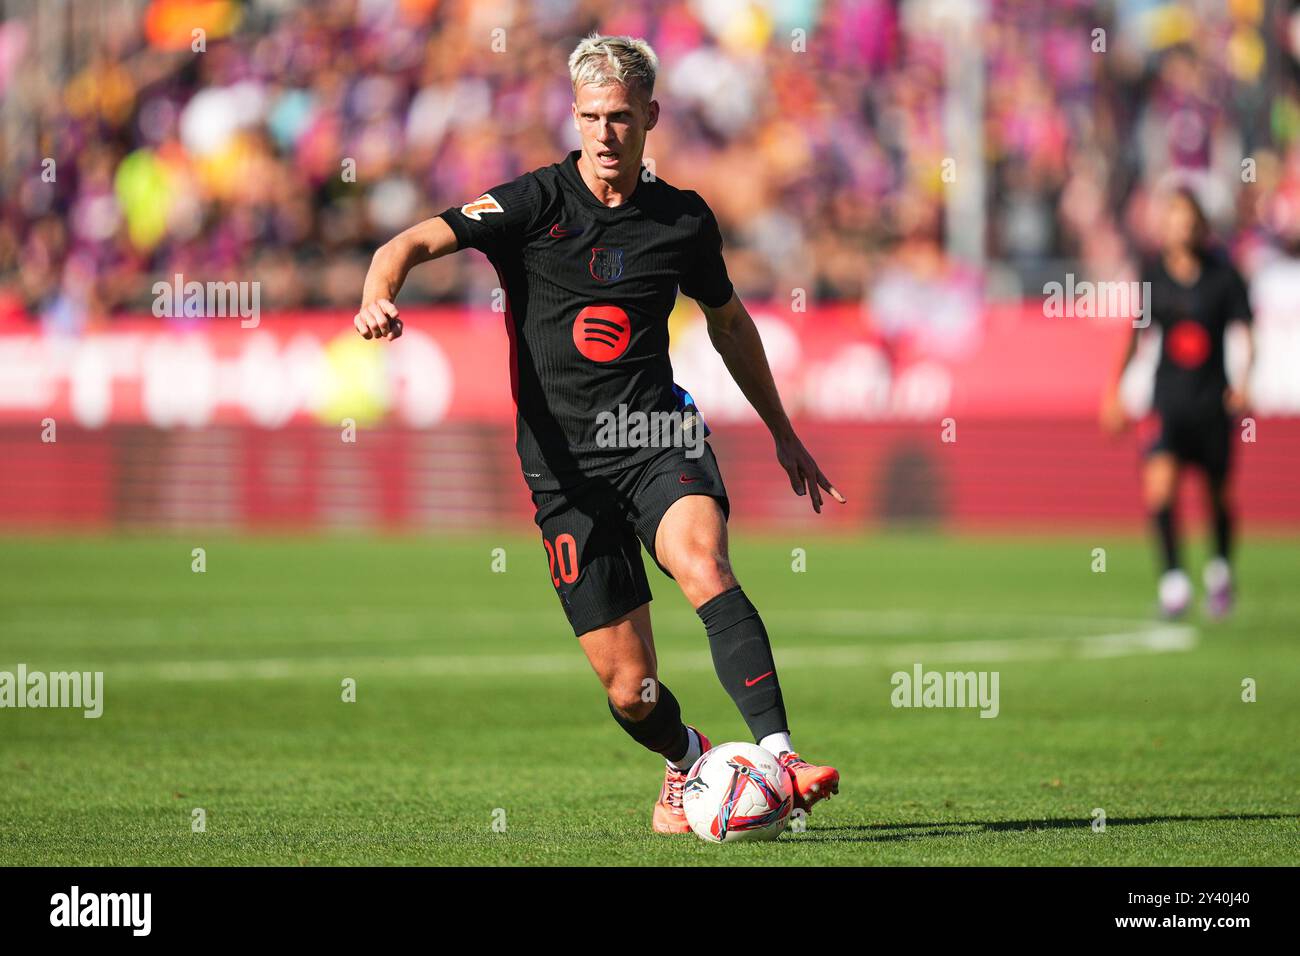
[1148, 639]
[423, 625]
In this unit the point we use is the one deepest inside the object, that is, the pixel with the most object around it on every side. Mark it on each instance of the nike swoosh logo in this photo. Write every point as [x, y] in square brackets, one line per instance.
[685, 480]
[751, 683]
[559, 233]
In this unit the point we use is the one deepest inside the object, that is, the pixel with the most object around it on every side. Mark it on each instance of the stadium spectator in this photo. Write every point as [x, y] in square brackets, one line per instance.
[301, 136]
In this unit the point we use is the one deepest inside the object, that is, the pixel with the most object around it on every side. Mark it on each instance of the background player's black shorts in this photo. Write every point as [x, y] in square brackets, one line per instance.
[593, 532]
[1199, 438]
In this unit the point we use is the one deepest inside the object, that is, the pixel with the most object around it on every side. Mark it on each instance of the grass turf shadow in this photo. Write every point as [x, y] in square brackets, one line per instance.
[869, 832]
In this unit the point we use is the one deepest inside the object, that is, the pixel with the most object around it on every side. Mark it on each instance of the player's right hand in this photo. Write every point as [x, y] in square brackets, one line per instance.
[1113, 417]
[378, 320]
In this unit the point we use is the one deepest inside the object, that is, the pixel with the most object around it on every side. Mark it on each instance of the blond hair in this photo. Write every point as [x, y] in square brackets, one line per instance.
[600, 60]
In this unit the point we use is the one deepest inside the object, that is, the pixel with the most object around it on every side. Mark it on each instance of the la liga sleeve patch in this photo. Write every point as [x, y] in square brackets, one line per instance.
[484, 204]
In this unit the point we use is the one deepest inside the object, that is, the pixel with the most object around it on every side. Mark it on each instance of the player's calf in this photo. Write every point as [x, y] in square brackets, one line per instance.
[742, 657]
[662, 730]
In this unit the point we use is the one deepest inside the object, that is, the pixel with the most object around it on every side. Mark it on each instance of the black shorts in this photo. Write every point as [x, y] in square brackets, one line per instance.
[593, 531]
[1196, 438]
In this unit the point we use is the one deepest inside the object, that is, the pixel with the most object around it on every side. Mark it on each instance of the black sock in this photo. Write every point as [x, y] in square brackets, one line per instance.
[662, 729]
[1168, 537]
[1222, 527]
[742, 657]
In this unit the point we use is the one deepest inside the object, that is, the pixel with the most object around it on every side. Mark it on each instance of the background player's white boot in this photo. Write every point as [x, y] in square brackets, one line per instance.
[1218, 587]
[1175, 593]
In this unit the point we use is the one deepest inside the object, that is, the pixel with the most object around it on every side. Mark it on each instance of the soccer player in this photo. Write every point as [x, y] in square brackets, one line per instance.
[1195, 295]
[591, 252]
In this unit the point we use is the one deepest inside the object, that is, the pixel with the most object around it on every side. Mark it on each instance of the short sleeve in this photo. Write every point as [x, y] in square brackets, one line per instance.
[499, 218]
[707, 281]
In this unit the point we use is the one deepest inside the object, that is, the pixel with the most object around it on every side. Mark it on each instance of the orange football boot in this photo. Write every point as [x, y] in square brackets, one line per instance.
[810, 783]
[670, 816]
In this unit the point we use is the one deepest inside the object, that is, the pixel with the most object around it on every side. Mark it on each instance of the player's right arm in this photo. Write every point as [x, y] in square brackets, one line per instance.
[1113, 416]
[427, 240]
[494, 224]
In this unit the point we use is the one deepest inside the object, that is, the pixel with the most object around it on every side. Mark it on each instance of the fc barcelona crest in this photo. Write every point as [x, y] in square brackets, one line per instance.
[606, 264]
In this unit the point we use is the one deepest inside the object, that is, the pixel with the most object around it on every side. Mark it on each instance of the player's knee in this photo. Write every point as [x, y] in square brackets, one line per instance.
[633, 697]
[1160, 483]
[1158, 492]
[704, 574]
[1157, 500]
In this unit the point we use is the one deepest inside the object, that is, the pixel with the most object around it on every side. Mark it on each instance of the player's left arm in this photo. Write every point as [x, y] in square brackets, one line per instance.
[734, 335]
[1236, 399]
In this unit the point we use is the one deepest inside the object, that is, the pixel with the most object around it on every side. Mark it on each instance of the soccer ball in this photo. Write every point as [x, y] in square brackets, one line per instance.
[737, 792]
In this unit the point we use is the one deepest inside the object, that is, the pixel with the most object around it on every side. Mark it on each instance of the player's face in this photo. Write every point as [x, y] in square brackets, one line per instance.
[613, 124]
[1180, 223]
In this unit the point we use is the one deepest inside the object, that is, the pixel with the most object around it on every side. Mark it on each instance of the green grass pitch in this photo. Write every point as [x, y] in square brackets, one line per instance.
[474, 706]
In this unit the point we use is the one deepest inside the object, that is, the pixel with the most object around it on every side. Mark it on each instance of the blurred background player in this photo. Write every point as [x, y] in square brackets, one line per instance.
[1195, 296]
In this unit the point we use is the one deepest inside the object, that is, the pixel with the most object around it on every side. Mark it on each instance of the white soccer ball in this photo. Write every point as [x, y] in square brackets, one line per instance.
[737, 792]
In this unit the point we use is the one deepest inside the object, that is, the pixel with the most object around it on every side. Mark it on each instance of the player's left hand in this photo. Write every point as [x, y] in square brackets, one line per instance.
[805, 476]
[1236, 400]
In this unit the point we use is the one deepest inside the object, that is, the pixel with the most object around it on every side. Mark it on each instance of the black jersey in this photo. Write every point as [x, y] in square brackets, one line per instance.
[1191, 377]
[588, 290]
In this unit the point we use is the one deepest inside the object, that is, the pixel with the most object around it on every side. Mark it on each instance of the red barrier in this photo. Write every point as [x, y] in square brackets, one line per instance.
[452, 366]
[1010, 474]
[218, 425]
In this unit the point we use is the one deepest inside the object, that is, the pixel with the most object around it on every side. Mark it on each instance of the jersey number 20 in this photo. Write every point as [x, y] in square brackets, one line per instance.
[563, 556]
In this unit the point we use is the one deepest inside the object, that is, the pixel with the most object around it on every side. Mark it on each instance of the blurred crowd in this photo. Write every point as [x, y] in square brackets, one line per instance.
[301, 136]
